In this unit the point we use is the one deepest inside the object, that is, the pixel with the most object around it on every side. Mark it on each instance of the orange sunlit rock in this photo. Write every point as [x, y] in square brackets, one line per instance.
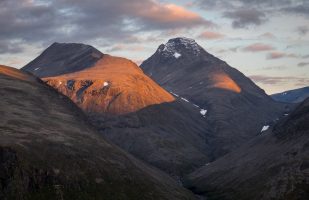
[223, 81]
[113, 85]
[15, 73]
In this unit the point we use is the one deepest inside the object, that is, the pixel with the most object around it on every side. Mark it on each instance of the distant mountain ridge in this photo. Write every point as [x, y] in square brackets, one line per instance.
[292, 96]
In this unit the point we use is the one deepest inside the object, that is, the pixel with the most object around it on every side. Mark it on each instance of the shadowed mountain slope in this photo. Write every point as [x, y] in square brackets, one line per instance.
[292, 96]
[49, 151]
[274, 165]
[152, 126]
[236, 108]
[170, 136]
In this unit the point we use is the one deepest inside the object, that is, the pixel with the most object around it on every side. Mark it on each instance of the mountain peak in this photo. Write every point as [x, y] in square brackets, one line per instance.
[70, 45]
[182, 40]
[178, 46]
[74, 48]
[61, 58]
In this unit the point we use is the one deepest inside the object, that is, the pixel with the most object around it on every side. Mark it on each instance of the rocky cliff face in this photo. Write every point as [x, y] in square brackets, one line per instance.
[48, 150]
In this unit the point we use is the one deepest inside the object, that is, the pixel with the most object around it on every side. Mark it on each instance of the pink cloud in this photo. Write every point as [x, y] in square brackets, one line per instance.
[270, 80]
[209, 35]
[267, 35]
[124, 47]
[303, 64]
[277, 55]
[258, 47]
[171, 13]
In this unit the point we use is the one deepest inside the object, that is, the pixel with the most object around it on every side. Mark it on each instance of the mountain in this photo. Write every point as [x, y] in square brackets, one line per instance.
[97, 82]
[234, 107]
[171, 136]
[129, 108]
[292, 96]
[63, 58]
[48, 150]
[274, 165]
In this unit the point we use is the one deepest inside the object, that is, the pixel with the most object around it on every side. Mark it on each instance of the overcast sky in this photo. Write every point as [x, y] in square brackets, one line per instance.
[267, 40]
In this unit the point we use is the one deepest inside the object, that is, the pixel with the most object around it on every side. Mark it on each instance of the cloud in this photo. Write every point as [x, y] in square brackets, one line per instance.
[225, 50]
[93, 21]
[170, 15]
[274, 68]
[125, 47]
[303, 64]
[301, 7]
[245, 13]
[270, 80]
[267, 35]
[10, 47]
[209, 35]
[277, 55]
[257, 47]
[243, 18]
[302, 30]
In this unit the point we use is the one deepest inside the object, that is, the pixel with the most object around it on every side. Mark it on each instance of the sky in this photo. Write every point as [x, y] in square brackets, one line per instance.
[267, 40]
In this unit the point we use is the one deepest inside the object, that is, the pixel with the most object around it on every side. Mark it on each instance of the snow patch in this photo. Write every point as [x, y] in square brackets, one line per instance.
[170, 47]
[265, 128]
[186, 100]
[177, 55]
[176, 95]
[190, 44]
[105, 84]
[196, 105]
[203, 112]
